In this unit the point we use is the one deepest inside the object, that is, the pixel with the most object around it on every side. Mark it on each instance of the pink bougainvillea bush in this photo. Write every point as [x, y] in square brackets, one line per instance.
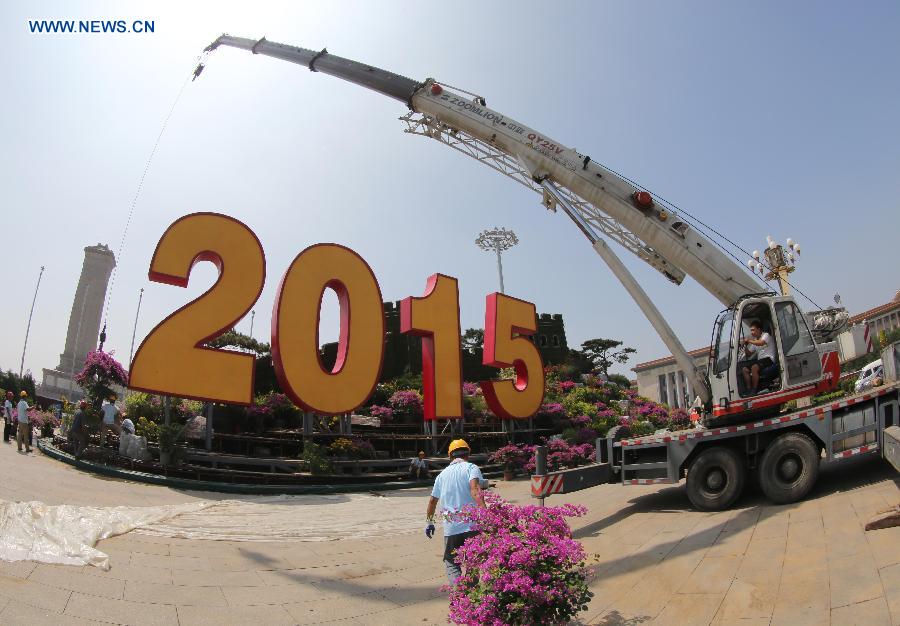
[562, 455]
[512, 455]
[523, 567]
[407, 402]
[100, 373]
[384, 413]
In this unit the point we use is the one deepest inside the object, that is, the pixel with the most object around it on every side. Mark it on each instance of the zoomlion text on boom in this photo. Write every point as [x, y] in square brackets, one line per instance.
[91, 26]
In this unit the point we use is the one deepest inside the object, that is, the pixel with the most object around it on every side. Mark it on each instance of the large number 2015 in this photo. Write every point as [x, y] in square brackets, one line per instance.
[173, 359]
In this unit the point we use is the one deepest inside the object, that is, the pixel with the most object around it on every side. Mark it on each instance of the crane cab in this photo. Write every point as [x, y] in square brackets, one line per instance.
[763, 355]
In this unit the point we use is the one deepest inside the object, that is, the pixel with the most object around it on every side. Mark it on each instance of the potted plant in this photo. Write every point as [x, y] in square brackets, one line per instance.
[512, 457]
[406, 405]
[169, 435]
[316, 460]
[351, 449]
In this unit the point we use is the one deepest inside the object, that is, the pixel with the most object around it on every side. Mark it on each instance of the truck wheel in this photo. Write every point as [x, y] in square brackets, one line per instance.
[789, 468]
[716, 479]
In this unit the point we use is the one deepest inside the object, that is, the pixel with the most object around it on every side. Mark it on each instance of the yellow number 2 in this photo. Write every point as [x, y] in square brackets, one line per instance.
[172, 359]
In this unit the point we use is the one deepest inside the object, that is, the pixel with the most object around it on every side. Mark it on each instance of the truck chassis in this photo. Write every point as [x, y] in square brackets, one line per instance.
[784, 452]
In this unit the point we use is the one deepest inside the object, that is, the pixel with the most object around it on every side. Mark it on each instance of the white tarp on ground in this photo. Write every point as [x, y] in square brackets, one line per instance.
[300, 518]
[66, 534]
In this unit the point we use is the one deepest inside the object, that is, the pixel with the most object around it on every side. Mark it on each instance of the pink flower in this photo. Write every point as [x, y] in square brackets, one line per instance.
[407, 401]
[384, 413]
[470, 389]
[523, 567]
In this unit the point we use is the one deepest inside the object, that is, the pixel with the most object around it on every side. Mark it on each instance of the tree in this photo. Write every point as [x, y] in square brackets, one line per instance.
[621, 381]
[264, 379]
[11, 381]
[472, 347]
[245, 343]
[472, 340]
[604, 352]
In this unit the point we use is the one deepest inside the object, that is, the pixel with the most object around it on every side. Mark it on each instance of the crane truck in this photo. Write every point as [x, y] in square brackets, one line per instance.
[742, 429]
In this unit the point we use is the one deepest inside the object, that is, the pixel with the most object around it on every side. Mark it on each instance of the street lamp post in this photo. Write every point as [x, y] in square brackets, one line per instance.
[779, 263]
[28, 329]
[498, 240]
[252, 317]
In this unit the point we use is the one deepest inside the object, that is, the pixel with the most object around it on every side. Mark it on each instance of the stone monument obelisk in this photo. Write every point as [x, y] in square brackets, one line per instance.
[84, 323]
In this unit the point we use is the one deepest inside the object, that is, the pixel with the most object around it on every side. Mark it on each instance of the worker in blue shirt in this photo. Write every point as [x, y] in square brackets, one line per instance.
[458, 485]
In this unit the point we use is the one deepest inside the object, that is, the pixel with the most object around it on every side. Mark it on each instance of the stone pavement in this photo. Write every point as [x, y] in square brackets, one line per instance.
[656, 561]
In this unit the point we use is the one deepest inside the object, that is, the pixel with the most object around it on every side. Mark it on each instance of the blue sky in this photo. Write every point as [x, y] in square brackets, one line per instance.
[759, 118]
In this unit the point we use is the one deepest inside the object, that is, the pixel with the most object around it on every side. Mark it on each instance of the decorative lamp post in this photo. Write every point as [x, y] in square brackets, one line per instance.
[498, 240]
[779, 262]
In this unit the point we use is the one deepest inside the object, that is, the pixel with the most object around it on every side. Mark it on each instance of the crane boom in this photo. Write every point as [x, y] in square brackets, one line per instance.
[631, 217]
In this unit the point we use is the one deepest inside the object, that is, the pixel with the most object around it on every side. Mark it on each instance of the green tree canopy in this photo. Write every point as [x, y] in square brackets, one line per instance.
[604, 352]
[234, 339]
[472, 340]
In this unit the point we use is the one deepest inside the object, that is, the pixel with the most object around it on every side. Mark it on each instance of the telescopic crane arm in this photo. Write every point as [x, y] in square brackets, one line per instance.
[596, 198]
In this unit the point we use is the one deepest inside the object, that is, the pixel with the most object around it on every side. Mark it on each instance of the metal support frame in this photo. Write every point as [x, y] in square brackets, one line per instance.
[431, 429]
[209, 427]
[428, 126]
[512, 427]
[441, 436]
[540, 464]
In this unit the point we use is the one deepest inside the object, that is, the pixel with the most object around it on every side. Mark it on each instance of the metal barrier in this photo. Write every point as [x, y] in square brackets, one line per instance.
[544, 484]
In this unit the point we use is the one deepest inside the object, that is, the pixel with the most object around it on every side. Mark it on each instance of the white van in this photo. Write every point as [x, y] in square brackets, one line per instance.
[868, 374]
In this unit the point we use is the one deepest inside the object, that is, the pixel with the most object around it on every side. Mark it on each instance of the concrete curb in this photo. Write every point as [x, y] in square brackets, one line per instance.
[47, 448]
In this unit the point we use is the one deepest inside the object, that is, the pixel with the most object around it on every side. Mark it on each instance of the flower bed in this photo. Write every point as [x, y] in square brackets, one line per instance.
[354, 448]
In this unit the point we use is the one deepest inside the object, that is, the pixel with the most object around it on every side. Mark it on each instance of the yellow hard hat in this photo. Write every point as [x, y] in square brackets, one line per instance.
[456, 444]
[23, 394]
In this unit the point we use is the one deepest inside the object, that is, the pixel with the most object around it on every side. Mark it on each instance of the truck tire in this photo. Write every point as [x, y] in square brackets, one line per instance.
[716, 479]
[789, 468]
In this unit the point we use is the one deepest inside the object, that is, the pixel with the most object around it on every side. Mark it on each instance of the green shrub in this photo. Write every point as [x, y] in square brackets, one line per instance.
[641, 429]
[475, 406]
[828, 397]
[591, 395]
[146, 428]
[169, 436]
[602, 423]
[576, 407]
[316, 459]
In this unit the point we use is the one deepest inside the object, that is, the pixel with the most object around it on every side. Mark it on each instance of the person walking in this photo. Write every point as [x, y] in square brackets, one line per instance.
[458, 485]
[77, 435]
[110, 412]
[8, 421]
[23, 426]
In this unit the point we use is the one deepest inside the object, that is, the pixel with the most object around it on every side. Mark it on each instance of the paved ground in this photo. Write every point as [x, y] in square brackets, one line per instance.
[655, 559]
